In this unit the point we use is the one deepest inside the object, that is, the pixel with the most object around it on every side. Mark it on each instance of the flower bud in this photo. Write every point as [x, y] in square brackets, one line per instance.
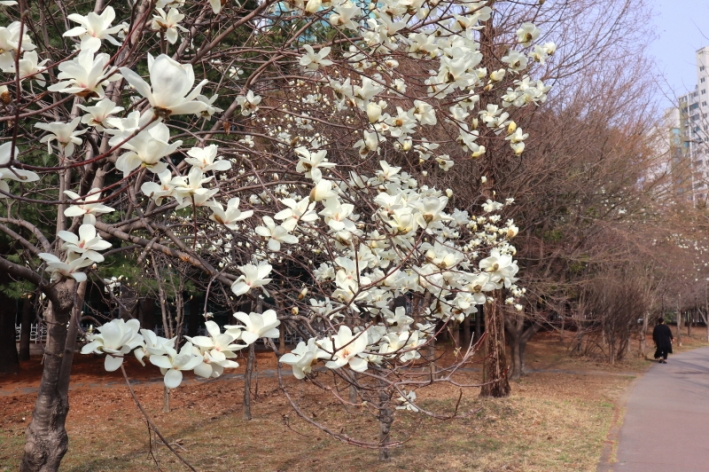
[5, 95]
[374, 112]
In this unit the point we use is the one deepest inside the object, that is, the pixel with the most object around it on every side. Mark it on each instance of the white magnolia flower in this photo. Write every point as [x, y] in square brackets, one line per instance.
[527, 33]
[64, 134]
[302, 210]
[256, 325]
[71, 268]
[159, 191]
[88, 205]
[500, 267]
[11, 172]
[253, 277]
[343, 349]
[424, 113]
[217, 349]
[147, 149]
[276, 234]
[480, 284]
[206, 159]
[189, 189]
[10, 43]
[168, 23]
[217, 5]
[408, 402]
[337, 213]
[172, 364]
[85, 75]
[301, 358]
[231, 216]
[94, 28]
[311, 59]
[153, 345]
[97, 115]
[210, 107]
[86, 243]
[171, 83]
[322, 191]
[30, 67]
[249, 103]
[311, 162]
[115, 339]
[490, 206]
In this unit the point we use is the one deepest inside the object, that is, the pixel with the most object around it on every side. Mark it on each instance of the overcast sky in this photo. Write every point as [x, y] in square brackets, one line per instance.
[682, 27]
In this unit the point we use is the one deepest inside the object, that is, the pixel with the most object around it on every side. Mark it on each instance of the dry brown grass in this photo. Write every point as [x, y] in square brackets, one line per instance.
[554, 421]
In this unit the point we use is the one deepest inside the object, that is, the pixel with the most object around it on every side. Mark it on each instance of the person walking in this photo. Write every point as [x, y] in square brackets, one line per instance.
[662, 335]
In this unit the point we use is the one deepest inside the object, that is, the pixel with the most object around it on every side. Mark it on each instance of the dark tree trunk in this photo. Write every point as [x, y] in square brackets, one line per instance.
[386, 419]
[247, 381]
[128, 299]
[519, 337]
[196, 305]
[643, 335]
[147, 313]
[9, 359]
[47, 440]
[27, 317]
[495, 382]
[454, 328]
[478, 324]
[466, 331]
[690, 319]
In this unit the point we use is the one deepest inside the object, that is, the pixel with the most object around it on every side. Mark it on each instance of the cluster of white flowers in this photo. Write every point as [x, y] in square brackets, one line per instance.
[386, 234]
[207, 356]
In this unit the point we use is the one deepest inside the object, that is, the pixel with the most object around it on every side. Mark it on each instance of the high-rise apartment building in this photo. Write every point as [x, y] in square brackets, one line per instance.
[694, 135]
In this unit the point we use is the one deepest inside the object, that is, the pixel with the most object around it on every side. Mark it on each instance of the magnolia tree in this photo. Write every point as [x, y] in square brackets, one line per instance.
[281, 149]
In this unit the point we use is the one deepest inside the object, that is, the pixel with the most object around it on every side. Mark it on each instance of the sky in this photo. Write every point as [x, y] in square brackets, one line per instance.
[682, 27]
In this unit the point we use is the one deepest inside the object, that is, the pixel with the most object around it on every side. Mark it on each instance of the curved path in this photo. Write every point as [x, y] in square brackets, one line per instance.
[666, 426]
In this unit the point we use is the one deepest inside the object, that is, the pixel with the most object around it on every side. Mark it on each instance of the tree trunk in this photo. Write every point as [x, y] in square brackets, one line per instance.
[643, 335]
[127, 298]
[516, 373]
[147, 313]
[27, 317]
[519, 337]
[466, 331]
[495, 382]
[478, 323]
[196, 304]
[247, 381]
[47, 440]
[690, 318]
[679, 328]
[386, 418]
[9, 360]
[455, 333]
[165, 400]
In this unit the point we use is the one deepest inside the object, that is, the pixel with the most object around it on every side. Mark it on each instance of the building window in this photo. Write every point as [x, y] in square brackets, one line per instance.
[701, 68]
[704, 91]
[702, 80]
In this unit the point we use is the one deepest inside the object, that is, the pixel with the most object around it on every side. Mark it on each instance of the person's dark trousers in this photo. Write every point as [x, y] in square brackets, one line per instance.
[659, 353]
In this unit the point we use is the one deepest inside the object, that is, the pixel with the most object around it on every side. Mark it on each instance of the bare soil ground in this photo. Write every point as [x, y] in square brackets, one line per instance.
[557, 419]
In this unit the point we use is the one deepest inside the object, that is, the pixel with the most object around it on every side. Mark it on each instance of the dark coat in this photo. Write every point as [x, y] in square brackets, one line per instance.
[662, 335]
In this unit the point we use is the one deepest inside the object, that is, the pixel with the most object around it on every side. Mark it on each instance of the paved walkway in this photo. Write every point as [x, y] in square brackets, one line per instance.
[666, 426]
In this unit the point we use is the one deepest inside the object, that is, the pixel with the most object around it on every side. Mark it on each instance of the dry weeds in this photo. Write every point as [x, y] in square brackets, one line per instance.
[554, 421]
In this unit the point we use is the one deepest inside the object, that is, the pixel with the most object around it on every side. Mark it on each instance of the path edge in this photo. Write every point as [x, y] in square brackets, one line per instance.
[610, 444]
